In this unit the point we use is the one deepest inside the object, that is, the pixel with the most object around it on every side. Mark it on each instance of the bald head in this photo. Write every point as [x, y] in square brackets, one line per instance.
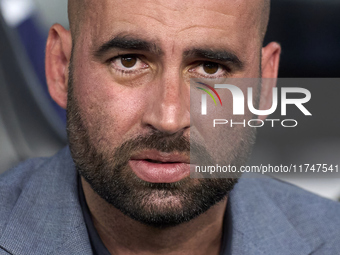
[77, 11]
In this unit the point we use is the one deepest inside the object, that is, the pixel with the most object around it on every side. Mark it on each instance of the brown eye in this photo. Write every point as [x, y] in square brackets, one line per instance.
[210, 68]
[128, 62]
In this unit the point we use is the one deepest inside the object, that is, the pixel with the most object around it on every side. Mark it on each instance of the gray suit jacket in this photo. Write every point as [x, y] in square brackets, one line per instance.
[40, 214]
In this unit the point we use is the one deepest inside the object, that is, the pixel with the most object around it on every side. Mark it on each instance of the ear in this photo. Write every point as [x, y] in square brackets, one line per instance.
[270, 67]
[58, 55]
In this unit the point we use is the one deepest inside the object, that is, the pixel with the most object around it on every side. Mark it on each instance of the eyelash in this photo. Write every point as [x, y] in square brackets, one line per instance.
[226, 70]
[127, 72]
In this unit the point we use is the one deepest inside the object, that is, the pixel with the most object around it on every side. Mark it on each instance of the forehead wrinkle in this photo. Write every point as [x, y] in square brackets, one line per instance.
[200, 26]
[184, 29]
[149, 16]
[178, 9]
[215, 11]
[181, 7]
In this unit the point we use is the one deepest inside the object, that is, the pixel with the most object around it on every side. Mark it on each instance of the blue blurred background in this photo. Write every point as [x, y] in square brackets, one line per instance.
[31, 124]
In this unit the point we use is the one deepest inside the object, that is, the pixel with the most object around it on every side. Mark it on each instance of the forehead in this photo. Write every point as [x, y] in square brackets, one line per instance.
[190, 22]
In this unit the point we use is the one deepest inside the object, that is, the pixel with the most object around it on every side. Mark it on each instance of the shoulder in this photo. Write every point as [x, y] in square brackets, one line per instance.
[292, 199]
[12, 182]
[39, 208]
[15, 178]
[315, 219]
[20, 181]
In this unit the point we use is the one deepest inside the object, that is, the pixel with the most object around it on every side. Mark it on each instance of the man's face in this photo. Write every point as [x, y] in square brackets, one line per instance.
[129, 100]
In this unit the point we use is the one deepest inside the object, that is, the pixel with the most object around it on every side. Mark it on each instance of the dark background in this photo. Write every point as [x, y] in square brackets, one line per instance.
[309, 33]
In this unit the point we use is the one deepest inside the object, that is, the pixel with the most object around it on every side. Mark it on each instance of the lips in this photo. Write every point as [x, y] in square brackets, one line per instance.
[160, 167]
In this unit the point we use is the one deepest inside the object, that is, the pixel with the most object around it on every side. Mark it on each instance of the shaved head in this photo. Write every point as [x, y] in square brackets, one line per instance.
[77, 11]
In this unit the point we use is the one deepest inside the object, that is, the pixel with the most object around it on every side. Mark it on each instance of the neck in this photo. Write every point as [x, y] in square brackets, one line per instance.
[123, 235]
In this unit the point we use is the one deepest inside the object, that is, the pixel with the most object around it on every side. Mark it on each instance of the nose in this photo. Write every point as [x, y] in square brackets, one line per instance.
[168, 108]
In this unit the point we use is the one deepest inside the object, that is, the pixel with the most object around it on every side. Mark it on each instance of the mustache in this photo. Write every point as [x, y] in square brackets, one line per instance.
[159, 141]
[162, 142]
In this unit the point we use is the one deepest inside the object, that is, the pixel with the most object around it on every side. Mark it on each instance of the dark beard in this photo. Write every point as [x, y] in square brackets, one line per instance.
[155, 204]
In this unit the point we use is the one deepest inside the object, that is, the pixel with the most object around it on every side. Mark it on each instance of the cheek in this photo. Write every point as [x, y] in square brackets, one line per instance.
[111, 112]
[226, 140]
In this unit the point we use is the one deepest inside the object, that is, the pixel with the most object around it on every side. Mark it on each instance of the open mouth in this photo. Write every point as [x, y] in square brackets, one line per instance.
[157, 157]
[159, 162]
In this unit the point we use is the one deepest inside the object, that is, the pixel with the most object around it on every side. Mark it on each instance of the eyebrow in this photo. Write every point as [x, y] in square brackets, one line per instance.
[215, 55]
[135, 43]
[128, 43]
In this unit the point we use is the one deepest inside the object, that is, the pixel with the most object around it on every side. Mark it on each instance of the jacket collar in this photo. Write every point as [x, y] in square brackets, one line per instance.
[47, 218]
